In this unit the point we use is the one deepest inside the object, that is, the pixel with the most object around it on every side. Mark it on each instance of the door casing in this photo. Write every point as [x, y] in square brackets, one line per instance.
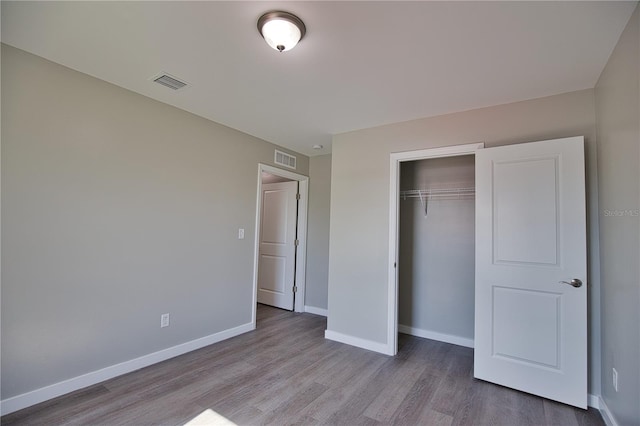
[301, 253]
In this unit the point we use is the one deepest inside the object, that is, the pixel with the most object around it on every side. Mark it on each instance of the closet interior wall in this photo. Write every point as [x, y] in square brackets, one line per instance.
[437, 250]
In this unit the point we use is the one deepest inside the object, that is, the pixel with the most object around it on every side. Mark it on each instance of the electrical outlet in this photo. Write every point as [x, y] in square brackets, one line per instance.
[164, 320]
[615, 379]
[241, 234]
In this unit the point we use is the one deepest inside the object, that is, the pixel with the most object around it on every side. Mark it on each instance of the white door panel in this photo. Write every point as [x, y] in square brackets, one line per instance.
[274, 222]
[530, 330]
[276, 261]
[525, 199]
[272, 273]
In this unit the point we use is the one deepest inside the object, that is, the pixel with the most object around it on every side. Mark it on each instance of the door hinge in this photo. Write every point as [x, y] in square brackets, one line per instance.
[295, 288]
[297, 242]
[298, 196]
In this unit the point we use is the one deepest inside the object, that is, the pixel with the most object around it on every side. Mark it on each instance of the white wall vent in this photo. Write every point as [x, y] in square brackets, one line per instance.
[285, 159]
[169, 81]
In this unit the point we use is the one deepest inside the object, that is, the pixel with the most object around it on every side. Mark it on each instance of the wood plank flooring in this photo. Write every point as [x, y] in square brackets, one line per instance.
[286, 373]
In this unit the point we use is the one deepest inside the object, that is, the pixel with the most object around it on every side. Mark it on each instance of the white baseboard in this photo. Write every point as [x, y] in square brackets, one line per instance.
[37, 396]
[441, 337]
[370, 345]
[316, 311]
[607, 415]
[593, 401]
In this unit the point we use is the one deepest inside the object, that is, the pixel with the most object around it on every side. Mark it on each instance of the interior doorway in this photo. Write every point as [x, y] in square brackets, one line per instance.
[272, 179]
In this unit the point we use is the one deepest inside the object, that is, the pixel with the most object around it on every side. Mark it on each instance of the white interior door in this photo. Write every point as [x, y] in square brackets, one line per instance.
[530, 328]
[277, 261]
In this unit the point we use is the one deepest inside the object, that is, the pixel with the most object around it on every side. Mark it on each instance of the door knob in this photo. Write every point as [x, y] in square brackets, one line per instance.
[574, 282]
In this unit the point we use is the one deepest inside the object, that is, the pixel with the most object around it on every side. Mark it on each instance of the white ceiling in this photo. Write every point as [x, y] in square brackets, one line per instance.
[361, 64]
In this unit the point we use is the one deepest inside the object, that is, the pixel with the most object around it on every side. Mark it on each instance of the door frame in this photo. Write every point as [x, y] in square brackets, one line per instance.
[394, 225]
[301, 251]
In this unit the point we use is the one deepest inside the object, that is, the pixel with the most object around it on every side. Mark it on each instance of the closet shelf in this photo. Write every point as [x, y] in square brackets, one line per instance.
[426, 195]
[434, 193]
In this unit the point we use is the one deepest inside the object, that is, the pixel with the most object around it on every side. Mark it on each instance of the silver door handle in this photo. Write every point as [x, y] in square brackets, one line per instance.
[574, 282]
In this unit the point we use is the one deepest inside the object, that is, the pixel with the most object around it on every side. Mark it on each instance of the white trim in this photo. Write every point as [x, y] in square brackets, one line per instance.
[316, 311]
[28, 399]
[433, 335]
[607, 415]
[593, 401]
[445, 151]
[392, 286]
[394, 185]
[301, 256]
[357, 341]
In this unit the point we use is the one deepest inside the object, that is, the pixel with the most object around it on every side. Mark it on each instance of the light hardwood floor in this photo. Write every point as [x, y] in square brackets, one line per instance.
[285, 372]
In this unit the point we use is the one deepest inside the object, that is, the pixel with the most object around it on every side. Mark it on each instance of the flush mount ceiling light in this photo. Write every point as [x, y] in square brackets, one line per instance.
[281, 30]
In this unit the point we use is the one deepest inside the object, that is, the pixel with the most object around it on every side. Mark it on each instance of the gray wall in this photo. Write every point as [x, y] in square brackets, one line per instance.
[437, 249]
[318, 231]
[618, 125]
[115, 209]
[359, 238]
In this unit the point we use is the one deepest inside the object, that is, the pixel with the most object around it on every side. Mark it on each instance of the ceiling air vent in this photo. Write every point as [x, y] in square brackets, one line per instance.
[170, 82]
[285, 159]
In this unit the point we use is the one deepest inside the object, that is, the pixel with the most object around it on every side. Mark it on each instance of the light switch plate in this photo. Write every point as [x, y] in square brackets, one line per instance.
[164, 320]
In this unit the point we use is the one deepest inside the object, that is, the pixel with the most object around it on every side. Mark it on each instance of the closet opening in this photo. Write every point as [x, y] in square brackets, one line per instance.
[432, 239]
[436, 262]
